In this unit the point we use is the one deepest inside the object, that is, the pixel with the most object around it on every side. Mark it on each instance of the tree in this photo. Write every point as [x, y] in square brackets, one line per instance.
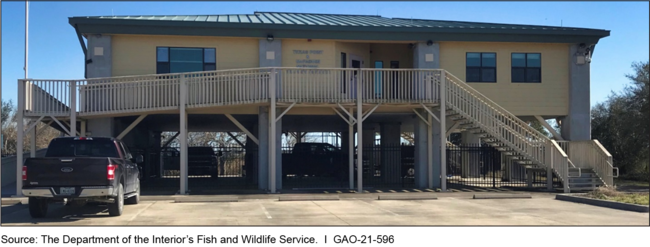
[10, 132]
[621, 124]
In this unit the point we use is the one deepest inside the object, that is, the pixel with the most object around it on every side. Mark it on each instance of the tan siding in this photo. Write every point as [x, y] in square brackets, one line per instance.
[550, 97]
[358, 49]
[136, 54]
[391, 52]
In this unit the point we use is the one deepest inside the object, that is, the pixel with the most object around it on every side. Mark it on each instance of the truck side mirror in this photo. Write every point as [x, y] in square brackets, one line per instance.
[139, 159]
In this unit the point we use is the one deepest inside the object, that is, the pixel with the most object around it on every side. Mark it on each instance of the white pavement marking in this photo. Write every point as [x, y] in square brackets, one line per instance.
[142, 210]
[268, 216]
[382, 209]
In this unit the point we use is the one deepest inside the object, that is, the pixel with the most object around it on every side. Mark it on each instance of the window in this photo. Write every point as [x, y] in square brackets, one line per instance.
[179, 60]
[481, 67]
[526, 67]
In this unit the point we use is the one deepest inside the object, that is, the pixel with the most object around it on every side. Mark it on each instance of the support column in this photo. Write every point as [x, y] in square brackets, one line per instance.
[21, 138]
[436, 167]
[360, 138]
[278, 152]
[422, 148]
[183, 138]
[99, 62]
[32, 142]
[576, 126]
[263, 148]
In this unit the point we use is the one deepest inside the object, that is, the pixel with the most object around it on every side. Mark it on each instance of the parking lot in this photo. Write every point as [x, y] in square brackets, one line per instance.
[448, 209]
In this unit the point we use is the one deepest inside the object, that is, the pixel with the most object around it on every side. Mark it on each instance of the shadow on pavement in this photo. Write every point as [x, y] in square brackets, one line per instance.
[57, 212]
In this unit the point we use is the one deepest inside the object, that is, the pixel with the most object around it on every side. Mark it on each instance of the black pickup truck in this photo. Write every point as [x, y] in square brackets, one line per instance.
[80, 170]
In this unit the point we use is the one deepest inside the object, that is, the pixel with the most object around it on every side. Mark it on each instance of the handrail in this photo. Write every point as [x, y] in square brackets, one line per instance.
[502, 110]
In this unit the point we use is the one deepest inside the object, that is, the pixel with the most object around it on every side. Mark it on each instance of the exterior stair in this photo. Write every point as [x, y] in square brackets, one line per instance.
[584, 180]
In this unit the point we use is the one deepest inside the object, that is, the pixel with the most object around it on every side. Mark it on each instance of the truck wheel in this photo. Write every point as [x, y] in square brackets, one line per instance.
[116, 208]
[136, 198]
[37, 207]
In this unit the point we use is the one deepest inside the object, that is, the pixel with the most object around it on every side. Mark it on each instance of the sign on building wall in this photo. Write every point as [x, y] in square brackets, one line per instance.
[308, 58]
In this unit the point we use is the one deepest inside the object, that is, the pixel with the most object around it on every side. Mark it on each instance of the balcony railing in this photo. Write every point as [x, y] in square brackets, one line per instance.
[131, 94]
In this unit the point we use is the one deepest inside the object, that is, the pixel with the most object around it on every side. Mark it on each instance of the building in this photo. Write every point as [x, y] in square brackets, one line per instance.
[268, 73]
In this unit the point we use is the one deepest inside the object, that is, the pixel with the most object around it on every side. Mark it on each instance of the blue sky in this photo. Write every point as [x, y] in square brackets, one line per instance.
[55, 53]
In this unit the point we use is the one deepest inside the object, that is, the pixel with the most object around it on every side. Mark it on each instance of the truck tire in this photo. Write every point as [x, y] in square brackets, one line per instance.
[135, 199]
[37, 207]
[116, 207]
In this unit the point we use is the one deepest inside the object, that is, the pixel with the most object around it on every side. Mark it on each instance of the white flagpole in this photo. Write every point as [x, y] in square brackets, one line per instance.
[26, 34]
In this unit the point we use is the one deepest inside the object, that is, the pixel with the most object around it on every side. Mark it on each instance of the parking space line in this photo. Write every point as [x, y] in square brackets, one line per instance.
[380, 208]
[142, 210]
[268, 216]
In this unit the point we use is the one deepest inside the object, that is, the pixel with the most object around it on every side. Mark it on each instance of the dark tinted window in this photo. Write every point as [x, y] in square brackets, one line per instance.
[526, 67]
[179, 60]
[481, 67]
[68, 147]
[200, 151]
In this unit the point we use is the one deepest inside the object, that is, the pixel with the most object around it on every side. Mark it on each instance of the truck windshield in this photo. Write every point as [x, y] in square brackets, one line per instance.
[69, 147]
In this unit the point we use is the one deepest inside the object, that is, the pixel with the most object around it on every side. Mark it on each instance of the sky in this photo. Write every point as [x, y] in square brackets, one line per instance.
[55, 52]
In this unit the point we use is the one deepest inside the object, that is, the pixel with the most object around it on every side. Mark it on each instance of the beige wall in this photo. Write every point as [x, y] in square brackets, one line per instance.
[293, 53]
[548, 98]
[136, 54]
[391, 52]
[357, 49]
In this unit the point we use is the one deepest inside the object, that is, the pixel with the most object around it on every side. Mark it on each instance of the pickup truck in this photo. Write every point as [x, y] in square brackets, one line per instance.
[80, 170]
[317, 159]
[200, 160]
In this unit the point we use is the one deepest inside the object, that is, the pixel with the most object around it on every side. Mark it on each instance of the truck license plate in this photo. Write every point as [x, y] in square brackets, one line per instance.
[67, 190]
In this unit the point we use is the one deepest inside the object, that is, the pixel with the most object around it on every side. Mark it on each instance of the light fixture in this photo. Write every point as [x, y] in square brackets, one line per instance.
[269, 38]
[429, 43]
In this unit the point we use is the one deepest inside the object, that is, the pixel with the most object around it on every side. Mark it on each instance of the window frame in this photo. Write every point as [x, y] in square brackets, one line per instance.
[480, 68]
[167, 64]
[525, 68]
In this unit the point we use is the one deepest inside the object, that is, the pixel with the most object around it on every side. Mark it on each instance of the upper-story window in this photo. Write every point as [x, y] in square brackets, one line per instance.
[526, 67]
[481, 67]
[179, 60]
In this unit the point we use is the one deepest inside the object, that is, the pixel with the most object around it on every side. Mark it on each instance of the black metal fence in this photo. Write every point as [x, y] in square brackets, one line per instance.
[236, 168]
[480, 165]
[388, 166]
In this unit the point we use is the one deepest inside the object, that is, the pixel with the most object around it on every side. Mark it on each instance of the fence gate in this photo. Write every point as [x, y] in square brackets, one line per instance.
[482, 166]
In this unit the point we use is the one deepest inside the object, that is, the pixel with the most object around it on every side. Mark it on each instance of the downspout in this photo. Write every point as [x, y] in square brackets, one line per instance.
[83, 47]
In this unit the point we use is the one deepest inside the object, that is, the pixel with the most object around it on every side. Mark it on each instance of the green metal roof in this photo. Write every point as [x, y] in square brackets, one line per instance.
[285, 25]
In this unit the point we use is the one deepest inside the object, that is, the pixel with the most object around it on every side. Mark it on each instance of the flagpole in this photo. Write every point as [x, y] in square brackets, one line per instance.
[26, 34]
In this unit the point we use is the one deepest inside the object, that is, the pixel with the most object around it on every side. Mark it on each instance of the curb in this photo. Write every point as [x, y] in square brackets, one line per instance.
[310, 198]
[205, 199]
[14, 201]
[603, 203]
[408, 196]
[502, 196]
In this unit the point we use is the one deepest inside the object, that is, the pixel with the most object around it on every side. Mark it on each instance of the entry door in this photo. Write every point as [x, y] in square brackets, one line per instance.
[378, 78]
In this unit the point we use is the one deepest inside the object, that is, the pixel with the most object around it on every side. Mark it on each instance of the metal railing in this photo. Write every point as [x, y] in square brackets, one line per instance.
[559, 161]
[495, 120]
[130, 94]
[591, 154]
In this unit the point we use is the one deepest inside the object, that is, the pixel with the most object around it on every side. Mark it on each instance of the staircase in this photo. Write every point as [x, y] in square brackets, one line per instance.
[494, 125]
[584, 180]
[516, 139]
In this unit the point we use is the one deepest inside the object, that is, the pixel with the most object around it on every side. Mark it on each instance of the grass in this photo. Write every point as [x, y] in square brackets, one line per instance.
[627, 182]
[613, 195]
